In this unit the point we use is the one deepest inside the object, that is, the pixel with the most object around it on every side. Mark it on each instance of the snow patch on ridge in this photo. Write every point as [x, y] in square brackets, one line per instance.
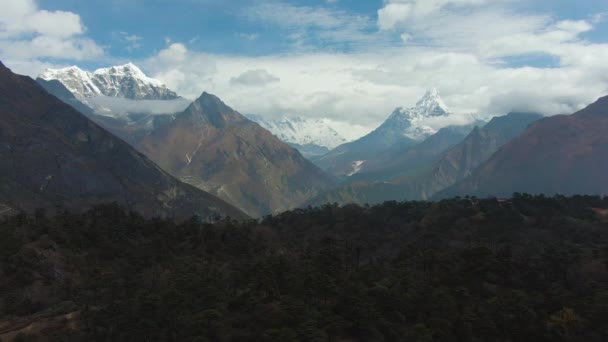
[302, 131]
[357, 166]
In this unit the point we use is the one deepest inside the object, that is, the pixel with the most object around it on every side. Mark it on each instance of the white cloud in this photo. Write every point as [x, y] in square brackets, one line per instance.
[358, 91]
[392, 14]
[124, 106]
[28, 33]
[254, 78]
[399, 12]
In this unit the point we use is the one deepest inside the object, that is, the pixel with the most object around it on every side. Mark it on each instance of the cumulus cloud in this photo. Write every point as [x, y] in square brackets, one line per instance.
[28, 33]
[254, 78]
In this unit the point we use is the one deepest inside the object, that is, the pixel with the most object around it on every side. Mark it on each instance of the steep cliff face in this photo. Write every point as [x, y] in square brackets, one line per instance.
[50, 154]
[216, 149]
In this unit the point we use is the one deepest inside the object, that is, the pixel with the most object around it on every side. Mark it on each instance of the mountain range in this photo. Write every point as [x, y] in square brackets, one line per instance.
[118, 98]
[461, 160]
[403, 128]
[563, 154]
[125, 81]
[63, 147]
[52, 155]
[208, 145]
[433, 165]
[312, 137]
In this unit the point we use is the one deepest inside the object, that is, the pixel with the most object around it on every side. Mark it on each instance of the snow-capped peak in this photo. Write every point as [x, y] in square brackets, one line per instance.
[302, 131]
[432, 103]
[128, 70]
[126, 81]
[410, 121]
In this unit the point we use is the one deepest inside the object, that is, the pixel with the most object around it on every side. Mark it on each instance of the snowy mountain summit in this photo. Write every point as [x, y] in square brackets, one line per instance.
[411, 122]
[302, 131]
[124, 81]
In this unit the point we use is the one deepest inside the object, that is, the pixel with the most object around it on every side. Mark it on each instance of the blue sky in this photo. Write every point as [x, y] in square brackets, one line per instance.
[351, 61]
[212, 26]
[223, 27]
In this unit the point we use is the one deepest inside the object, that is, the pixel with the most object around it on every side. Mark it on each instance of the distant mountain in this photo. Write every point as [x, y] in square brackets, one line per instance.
[410, 122]
[404, 127]
[125, 81]
[564, 154]
[129, 126]
[461, 160]
[412, 160]
[310, 136]
[433, 165]
[58, 89]
[310, 150]
[51, 155]
[215, 148]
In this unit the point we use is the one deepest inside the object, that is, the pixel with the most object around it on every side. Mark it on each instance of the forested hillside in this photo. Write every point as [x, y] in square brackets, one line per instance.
[528, 269]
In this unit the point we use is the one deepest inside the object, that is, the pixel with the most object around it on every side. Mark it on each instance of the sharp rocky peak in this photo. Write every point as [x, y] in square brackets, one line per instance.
[432, 103]
[212, 102]
[429, 105]
[209, 108]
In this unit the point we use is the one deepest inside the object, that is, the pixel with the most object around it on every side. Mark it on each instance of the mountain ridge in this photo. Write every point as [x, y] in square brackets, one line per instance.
[562, 154]
[215, 148]
[301, 131]
[53, 155]
[126, 81]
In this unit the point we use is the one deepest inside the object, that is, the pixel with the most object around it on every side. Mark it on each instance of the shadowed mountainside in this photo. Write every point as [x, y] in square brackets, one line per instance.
[564, 154]
[50, 154]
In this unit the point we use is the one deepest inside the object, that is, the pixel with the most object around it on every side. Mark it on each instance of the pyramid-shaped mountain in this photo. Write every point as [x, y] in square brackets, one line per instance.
[404, 127]
[217, 149]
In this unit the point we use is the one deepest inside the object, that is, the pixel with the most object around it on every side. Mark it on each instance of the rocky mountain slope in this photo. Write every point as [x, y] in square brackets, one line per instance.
[564, 154]
[51, 155]
[215, 148]
[433, 165]
[460, 161]
[402, 162]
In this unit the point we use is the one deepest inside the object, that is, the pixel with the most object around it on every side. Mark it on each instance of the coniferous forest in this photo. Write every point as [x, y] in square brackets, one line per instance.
[528, 269]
